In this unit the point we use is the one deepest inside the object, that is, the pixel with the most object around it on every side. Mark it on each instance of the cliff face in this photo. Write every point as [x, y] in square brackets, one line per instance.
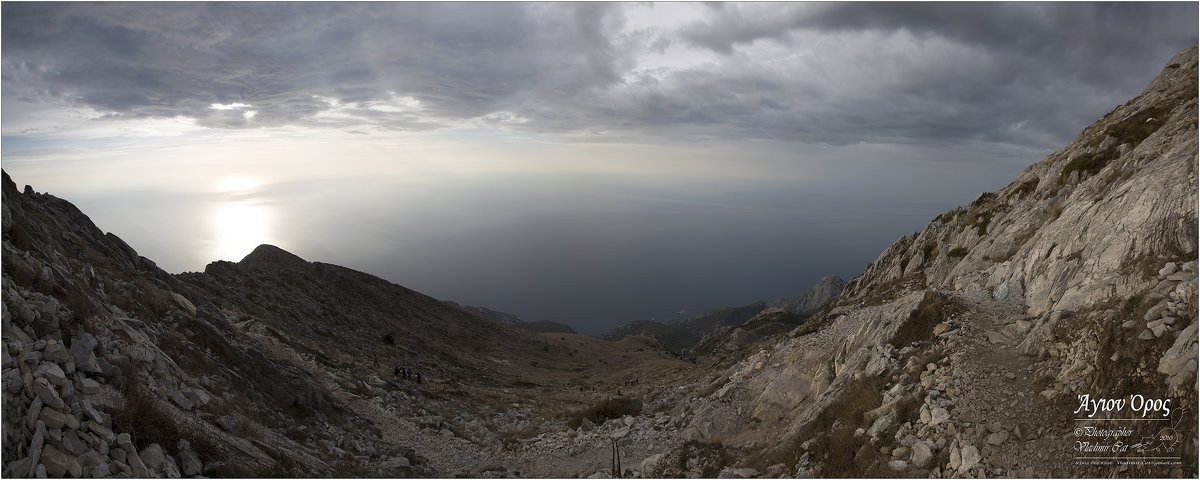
[964, 350]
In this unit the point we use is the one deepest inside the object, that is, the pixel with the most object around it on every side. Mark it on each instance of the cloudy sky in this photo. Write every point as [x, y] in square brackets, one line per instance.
[587, 163]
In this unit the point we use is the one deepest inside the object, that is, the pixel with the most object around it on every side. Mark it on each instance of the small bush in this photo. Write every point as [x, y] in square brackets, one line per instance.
[958, 252]
[608, 409]
[919, 325]
[1131, 305]
[983, 223]
[1085, 163]
[389, 339]
[928, 251]
[1027, 187]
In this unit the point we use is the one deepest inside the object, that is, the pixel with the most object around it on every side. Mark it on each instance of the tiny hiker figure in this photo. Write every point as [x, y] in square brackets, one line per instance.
[418, 377]
[375, 358]
[396, 371]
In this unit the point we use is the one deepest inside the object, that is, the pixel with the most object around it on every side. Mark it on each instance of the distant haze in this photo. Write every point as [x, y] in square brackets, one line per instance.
[585, 163]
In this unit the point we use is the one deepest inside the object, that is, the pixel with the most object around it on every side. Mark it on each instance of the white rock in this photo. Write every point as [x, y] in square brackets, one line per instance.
[970, 458]
[921, 455]
[1178, 363]
[938, 415]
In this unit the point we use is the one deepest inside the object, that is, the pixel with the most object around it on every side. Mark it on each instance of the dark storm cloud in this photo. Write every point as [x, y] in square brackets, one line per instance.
[1033, 68]
[1018, 73]
[285, 61]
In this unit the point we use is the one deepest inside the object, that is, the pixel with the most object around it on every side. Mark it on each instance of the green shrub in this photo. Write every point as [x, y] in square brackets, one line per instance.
[958, 252]
[1084, 163]
[983, 223]
[919, 325]
[928, 251]
[608, 409]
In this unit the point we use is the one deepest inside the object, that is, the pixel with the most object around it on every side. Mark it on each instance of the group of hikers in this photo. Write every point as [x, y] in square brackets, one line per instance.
[403, 373]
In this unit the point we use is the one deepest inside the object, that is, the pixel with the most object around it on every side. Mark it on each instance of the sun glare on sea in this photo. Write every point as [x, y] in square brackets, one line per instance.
[241, 223]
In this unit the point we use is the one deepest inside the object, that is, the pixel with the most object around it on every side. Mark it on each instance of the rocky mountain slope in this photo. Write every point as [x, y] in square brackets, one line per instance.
[275, 366]
[967, 348]
[543, 326]
[680, 335]
[811, 300]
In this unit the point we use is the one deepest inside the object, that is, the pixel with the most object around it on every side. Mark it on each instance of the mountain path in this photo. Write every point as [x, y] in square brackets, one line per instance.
[998, 408]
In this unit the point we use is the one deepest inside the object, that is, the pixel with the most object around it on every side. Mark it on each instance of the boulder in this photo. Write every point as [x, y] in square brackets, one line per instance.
[881, 424]
[52, 373]
[970, 457]
[82, 345]
[181, 400]
[38, 443]
[152, 456]
[55, 419]
[1179, 361]
[57, 353]
[650, 463]
[1156, 327]
[73, 444]
[88, 386]
[921, 454]
[59, 464]
[189, 462]
[938, 415]
[169, 468]
[42, 388]
[230, 423]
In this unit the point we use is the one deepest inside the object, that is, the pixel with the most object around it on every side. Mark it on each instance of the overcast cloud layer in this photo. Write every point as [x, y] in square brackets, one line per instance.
[693, 125]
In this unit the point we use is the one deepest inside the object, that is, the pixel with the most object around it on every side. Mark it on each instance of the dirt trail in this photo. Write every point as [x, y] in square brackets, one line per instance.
[1017, 431]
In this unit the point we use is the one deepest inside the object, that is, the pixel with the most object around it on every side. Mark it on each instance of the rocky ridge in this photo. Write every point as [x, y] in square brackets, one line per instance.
[275, 365]
[964, 349]
[960, 352]
[811, 300]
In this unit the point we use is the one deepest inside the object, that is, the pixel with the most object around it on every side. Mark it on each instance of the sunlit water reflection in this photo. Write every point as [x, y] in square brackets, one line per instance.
[239, 222]
[238, 227]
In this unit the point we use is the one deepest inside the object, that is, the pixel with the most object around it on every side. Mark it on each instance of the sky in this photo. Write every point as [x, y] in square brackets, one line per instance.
[586, 163]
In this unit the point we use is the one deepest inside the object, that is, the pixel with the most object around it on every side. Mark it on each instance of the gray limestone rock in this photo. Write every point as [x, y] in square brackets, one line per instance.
[230, 423]
[55, 419]
[57, 353]
[37, 444]
[46, 392]
[82, 345]
[938, 415]
[169, 468]
[59, 464]
[152, 456]
[73, 444]
[970, 457]
[189, 462]
[52, 373]
[921, 454]
[1179, 361]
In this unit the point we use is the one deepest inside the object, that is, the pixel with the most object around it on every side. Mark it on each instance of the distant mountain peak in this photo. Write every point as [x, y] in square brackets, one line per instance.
[811, 300]
[265, 255]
